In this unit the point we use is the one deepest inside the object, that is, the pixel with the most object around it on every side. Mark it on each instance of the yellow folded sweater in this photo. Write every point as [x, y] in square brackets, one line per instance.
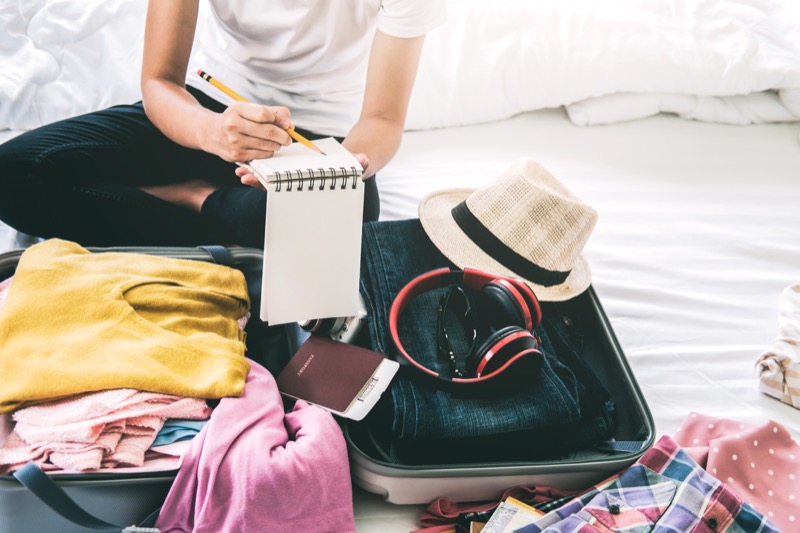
[76, 321]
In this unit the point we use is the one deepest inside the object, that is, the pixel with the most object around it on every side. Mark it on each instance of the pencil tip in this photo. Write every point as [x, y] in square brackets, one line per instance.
[323, 153]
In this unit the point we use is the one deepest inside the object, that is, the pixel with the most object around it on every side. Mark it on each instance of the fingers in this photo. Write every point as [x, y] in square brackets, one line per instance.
[241, 148]
[261, 114]
[364, 160]
[250, 131]
[265, 132]
[247, 178]
[283, 117]
[252, 147]
[260, 122]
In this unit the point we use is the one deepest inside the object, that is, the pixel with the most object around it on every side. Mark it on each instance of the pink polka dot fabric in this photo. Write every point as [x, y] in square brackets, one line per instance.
[760, 463]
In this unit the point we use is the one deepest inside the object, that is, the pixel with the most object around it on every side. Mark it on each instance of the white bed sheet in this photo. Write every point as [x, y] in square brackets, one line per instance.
[698, 234]
[699, 223]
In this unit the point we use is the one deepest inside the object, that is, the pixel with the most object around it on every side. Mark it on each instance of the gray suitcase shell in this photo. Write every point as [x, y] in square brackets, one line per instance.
[119, 499]
[123, 500]
[413, 484]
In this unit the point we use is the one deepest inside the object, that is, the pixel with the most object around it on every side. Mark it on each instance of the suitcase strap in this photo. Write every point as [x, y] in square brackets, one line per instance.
[620, 446]
[220, 255]
[44, 488]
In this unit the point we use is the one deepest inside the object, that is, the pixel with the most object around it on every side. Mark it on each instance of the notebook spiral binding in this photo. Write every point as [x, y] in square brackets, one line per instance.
[320, 178]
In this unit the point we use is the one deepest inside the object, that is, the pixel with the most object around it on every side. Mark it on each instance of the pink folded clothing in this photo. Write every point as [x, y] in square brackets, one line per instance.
[254, 467]
[94, 430]
[761, 463]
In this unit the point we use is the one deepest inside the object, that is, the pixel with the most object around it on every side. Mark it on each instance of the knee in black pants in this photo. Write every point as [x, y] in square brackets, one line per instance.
[18, 171]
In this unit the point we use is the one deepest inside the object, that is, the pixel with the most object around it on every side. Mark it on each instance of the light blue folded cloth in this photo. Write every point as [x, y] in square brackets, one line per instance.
[176, 429]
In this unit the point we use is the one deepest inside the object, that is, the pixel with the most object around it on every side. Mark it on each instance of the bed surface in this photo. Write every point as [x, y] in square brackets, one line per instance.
[698, 234]
[699, 222]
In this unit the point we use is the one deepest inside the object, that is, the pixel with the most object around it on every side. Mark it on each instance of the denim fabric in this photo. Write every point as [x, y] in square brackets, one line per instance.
[598, 411]
[78, 179]
[395, 252]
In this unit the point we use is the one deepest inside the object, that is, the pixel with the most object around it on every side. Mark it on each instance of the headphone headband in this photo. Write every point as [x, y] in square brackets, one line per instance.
[520, 349]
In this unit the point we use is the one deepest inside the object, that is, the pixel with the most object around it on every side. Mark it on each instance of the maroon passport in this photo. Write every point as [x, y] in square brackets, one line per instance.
[337, 376]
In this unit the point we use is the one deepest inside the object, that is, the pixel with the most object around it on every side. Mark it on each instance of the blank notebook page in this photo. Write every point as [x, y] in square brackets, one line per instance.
[312, 247]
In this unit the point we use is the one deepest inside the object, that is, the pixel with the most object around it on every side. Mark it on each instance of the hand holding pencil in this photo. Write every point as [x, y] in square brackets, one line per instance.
[280, 119]
[277, 119]
[243, 132]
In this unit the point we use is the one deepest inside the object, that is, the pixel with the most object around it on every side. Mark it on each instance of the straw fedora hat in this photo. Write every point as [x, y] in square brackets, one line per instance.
[524, 224]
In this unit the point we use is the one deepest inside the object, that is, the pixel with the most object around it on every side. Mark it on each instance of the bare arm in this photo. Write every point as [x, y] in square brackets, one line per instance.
[243, 132]
[393, 63]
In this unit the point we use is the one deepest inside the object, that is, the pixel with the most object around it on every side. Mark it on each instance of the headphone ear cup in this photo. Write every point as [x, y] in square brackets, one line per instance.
[531, 301]
[499, 308]
[476, 357]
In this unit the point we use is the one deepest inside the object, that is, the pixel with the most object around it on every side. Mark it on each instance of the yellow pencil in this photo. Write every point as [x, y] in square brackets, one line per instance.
[219, 85]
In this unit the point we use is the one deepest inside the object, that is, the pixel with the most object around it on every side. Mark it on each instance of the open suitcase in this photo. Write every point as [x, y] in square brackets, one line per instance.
[128, 499]
[413, 483]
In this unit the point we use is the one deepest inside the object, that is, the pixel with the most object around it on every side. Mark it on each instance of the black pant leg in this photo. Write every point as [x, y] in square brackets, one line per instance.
[78, 179]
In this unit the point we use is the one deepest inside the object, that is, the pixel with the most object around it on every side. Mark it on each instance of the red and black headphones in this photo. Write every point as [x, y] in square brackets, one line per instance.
[508, 358]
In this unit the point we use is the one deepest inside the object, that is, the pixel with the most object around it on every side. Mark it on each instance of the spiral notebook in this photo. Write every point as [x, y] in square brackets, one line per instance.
[312, 243]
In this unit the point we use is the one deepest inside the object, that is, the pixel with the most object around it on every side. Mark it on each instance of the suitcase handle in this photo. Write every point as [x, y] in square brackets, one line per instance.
[43, 487]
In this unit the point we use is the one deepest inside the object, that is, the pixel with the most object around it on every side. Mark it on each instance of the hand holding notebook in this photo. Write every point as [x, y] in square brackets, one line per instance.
[297, 162]
[312, 246]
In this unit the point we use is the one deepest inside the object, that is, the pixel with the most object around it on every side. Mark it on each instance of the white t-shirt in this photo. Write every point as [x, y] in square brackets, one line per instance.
[308, 55]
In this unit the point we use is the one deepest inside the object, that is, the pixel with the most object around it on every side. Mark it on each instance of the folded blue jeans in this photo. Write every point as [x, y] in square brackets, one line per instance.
[393, 253]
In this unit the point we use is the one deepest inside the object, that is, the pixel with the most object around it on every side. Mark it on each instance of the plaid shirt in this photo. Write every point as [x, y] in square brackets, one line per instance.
[665, 491]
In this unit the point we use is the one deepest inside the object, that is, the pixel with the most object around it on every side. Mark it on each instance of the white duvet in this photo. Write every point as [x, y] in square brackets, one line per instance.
[60, 58]
[733, 61]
